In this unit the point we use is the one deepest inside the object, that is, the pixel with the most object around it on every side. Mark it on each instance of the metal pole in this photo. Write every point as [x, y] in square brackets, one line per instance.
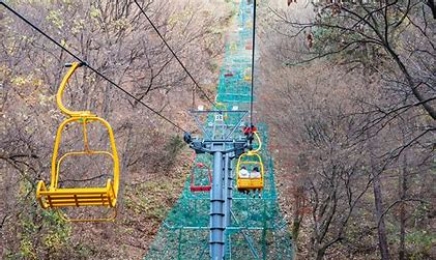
[221, 194]
[227, 193]
[225, 190]
[217, 200]
[230, 190]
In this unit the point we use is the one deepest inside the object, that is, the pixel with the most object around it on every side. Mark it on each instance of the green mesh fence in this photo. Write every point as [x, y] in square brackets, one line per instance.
[257, 229]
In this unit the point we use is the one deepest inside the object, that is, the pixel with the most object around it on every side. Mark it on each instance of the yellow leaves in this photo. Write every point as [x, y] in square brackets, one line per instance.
[4, 71]
[78, 26]
[44, 100]
[29, 130]
[55, 17]
[64, 43]
[121, 24]
[94, 13]
[90, 80]
[172, 20]
[21, 81]
[27, 39]
[6, 22]
[31, 90]
[37, 82]
[27, 250]
[56, 239]
[67, 2]
[180, 17]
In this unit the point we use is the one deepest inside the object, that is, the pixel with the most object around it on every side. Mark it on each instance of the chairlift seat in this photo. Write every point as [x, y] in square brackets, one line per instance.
[59, 197]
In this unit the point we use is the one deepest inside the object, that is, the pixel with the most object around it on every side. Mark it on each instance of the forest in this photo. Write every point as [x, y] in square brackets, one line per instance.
[347, 89]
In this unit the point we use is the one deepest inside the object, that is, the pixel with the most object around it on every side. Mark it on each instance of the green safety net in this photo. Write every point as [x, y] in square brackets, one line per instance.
[257, 229]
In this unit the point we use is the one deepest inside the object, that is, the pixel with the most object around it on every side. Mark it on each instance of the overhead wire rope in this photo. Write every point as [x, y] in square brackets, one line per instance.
[176, 57]
[174, 54]
[90, 67]
[252, 63]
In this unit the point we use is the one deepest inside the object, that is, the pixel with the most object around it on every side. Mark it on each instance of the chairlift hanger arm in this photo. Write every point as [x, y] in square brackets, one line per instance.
[217, 111]
[73, 66]
[200, 145]
[196, 114]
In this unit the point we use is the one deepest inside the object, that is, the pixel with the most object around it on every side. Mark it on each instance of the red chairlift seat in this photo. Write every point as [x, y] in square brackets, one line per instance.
[201, 188]
[228, 74]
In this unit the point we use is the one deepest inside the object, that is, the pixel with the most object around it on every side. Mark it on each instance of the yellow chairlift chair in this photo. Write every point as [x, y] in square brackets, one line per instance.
[57, 197]
[247, 74]
[250, 160]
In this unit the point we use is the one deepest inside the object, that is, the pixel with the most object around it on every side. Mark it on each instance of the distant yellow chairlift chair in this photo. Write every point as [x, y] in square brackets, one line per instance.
[58, 197]
[250, 159]
[247, 74]
[233, 47]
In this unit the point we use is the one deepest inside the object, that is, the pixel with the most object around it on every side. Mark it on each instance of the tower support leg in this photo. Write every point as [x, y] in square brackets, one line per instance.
[217, 215]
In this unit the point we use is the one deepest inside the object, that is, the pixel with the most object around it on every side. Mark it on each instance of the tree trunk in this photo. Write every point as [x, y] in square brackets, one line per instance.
[298, 212]
[378, 202]
[403, 191]
[401, 250]
[381, 230]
